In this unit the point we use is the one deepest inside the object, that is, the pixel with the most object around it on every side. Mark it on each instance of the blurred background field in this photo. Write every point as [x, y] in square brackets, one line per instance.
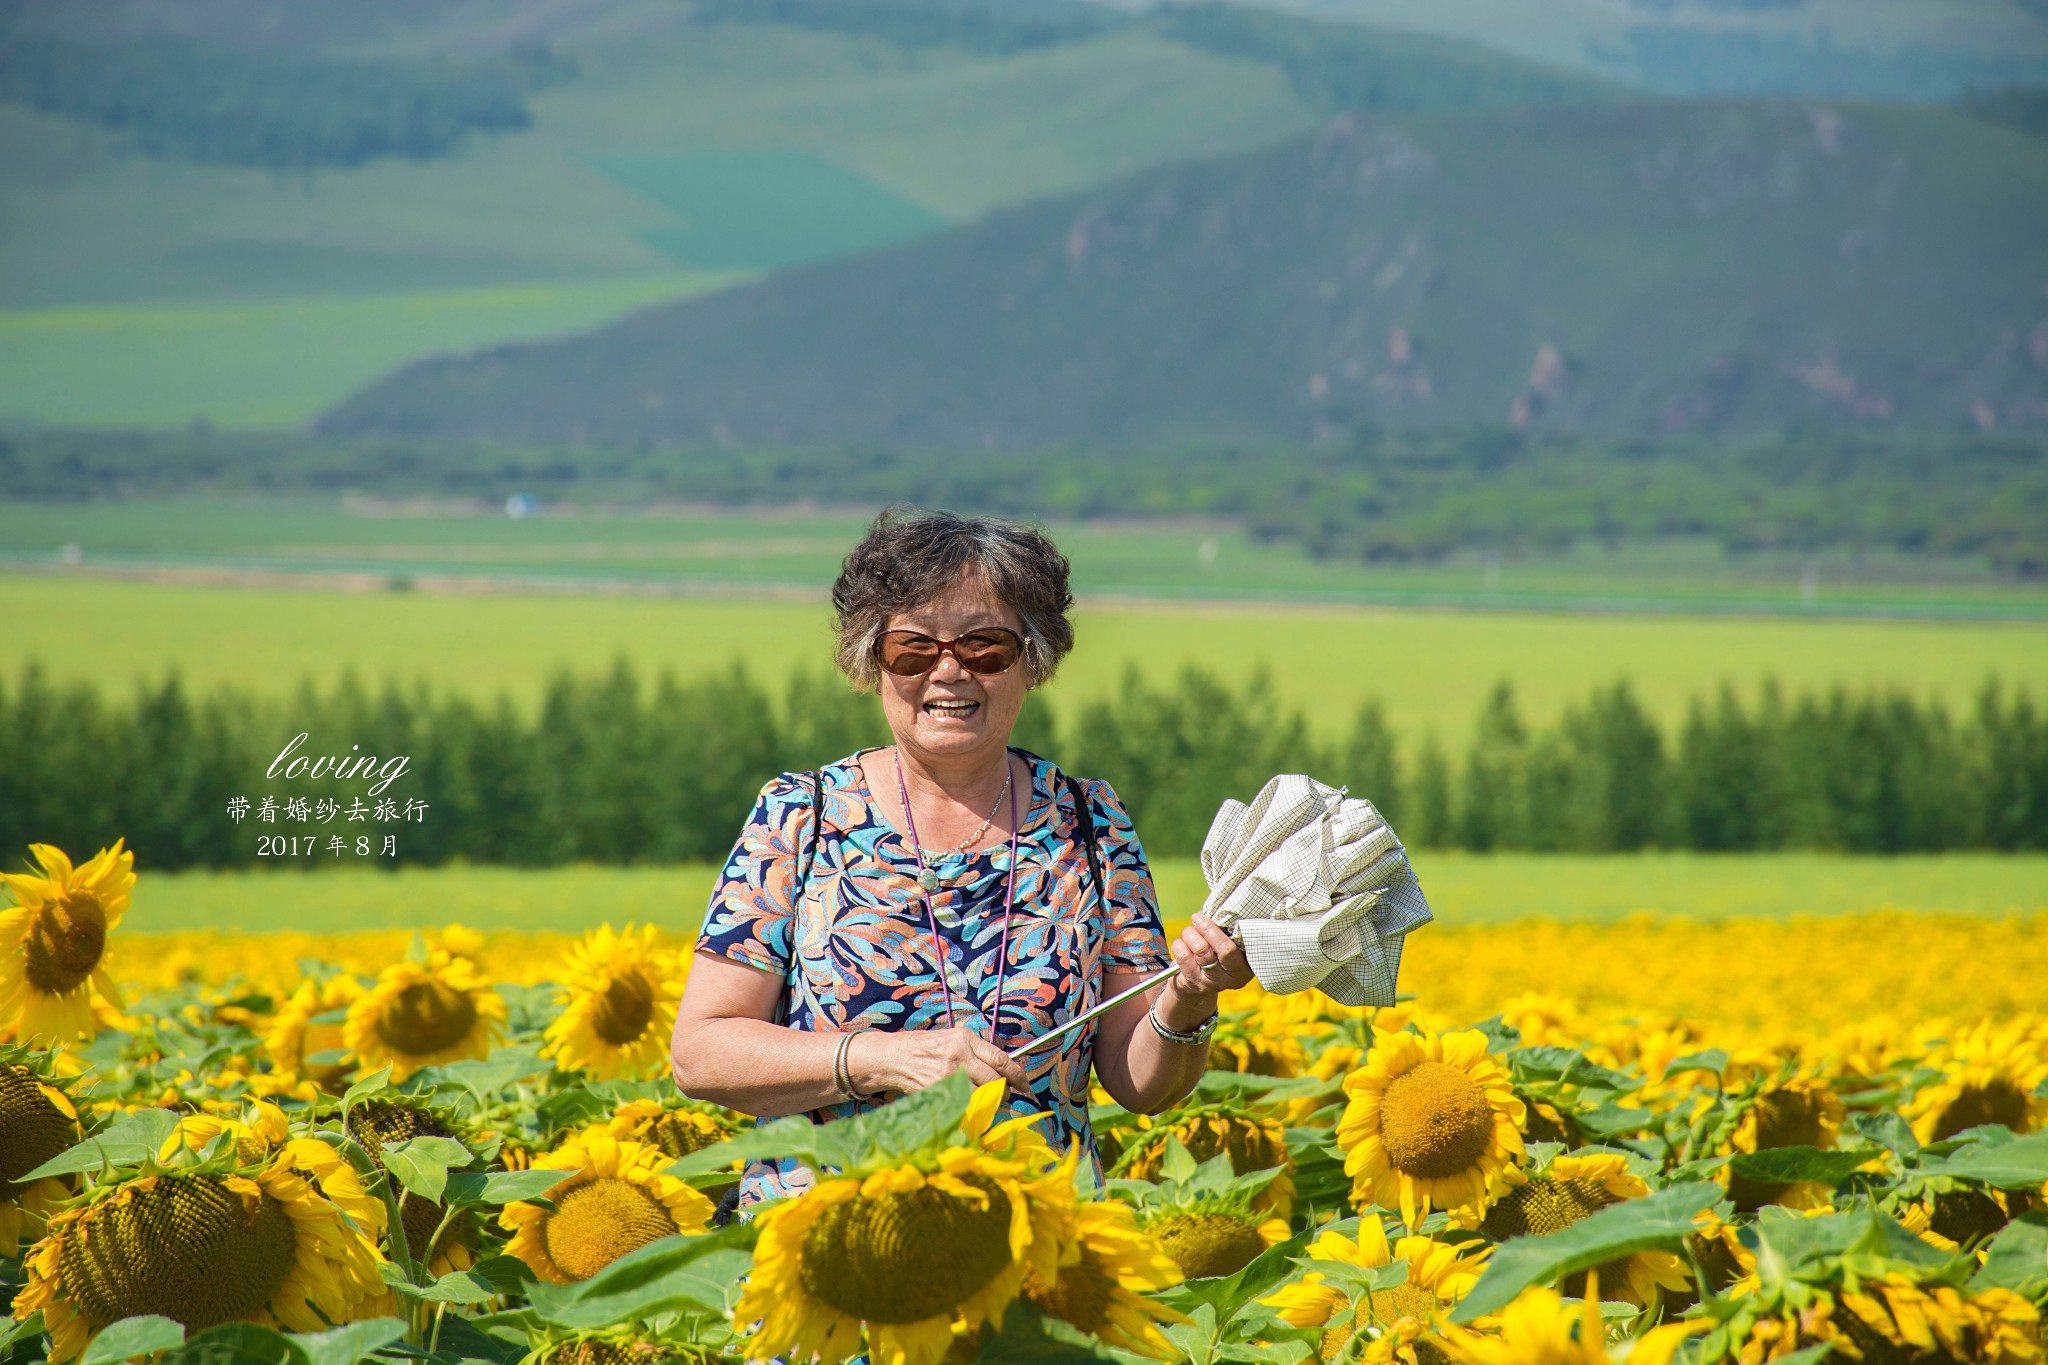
[1431, 670]
[1465, 890]
[1390, 351]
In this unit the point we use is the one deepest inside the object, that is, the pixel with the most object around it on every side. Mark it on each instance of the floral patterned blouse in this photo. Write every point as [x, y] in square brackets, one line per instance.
[858, 953]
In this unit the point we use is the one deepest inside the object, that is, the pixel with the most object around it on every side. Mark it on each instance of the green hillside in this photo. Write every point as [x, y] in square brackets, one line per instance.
[1881, 49]
[538, 168]
[1699, 266]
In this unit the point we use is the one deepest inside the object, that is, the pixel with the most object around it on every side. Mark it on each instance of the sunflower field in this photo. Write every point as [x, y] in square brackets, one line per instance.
[1650, 1142]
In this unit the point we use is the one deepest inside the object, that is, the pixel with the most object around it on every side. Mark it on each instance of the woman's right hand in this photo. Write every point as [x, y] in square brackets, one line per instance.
[900, 1062]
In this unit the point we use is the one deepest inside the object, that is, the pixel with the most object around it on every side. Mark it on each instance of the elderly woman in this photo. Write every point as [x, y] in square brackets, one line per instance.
[916, 910]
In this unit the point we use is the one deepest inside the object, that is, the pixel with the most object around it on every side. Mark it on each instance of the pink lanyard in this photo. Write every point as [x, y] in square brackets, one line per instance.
[932, 919]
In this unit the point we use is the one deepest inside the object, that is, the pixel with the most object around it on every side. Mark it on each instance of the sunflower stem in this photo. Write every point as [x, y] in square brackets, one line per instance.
[448, 1215]
[434, 1342]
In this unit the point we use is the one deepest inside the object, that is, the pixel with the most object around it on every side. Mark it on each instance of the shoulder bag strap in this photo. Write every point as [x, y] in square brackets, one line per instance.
[803, 876]
[816, 781]
[1084, 816]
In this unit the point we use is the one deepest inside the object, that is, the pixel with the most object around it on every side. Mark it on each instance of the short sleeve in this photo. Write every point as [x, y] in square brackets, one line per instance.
[754, 902]
[1134, 939]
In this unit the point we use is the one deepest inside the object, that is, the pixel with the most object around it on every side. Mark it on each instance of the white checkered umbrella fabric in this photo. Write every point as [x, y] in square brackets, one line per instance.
[1316, 887]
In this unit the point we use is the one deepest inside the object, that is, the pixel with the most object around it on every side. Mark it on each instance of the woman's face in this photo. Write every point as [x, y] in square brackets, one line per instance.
[950, 714]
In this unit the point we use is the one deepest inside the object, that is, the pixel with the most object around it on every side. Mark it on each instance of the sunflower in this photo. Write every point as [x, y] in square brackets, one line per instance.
[1958, 1216]
[617, 1201]
[1438, 1276]
[256, 1134]
[1102, 1289]
[1726, 1266]
[201, 1249]
[375, 1122]
[1801, 1112]
[1211, 1237]
[617, 1346]
[910, 1251]
[53, 943]
[1254, 1145]
[37, 1121]
[677, 1130]
[309, 1025]
[617, 1001]
[1892, 1318]
[1542, 1328]
[1252, 1045]
[423, 1013]
[1535, 1204]
[1431, 1120]
[1989, 1074]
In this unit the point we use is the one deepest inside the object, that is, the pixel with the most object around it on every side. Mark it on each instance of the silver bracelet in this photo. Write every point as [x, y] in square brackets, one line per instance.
[1193, 1037]
[842, 1074]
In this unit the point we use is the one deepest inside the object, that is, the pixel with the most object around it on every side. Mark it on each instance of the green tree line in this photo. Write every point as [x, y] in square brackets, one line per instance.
[1381, 496]
[198, 101]
[610, 768]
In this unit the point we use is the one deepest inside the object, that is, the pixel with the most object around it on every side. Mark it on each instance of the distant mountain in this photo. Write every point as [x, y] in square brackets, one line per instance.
[1655, 268]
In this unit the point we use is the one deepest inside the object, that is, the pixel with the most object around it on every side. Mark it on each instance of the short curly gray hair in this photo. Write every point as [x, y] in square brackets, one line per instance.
[910, 556]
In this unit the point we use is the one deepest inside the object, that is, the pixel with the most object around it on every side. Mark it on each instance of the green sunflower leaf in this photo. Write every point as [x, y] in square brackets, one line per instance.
[510, 1274]
[1784, 1165]
[143, 1335]
[349, 1344]
[1708, 1059]
[464, 1340]
[457, 1286]
[2017, 1258]
[571, 1108]
[2021, 1163]
[1887, 1130]
[133, 1138]
[1658, 1221]
[1565, 1066]
[481, 1079]
[1789, 1244]
[1501, 1038]
[1807, 1355]
[675, 1274]
[925, 1121]
[1610, 1119]
[1029, 1337]
[421, 1164]
[243, 1343]
[501, 1187]
[11, 1332]
[374, 1083]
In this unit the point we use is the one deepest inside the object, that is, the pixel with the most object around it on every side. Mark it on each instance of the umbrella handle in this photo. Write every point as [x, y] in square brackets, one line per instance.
[1101, 1009]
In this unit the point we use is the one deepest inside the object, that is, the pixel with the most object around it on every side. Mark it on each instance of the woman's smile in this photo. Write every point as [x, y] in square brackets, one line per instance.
[951, 708]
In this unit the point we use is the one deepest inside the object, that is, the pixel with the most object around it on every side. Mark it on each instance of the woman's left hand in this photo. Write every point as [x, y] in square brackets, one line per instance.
[1210, 960]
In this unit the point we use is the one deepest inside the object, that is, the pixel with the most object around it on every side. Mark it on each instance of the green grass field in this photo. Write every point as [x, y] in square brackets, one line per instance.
[1430, 669]
[277, 362]
[1463, 888]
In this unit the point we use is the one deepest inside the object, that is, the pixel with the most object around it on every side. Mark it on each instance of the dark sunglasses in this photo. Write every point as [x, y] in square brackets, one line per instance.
[908, 654]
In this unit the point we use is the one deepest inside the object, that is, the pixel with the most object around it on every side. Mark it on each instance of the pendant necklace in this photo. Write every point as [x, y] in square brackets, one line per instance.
[928, 882]
[927, 872]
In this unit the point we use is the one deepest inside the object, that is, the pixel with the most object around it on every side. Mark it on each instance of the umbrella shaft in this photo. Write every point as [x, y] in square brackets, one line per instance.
[1105, 1007]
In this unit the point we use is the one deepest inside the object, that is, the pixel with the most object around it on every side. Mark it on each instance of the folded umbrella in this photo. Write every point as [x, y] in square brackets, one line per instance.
[1315, 886]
